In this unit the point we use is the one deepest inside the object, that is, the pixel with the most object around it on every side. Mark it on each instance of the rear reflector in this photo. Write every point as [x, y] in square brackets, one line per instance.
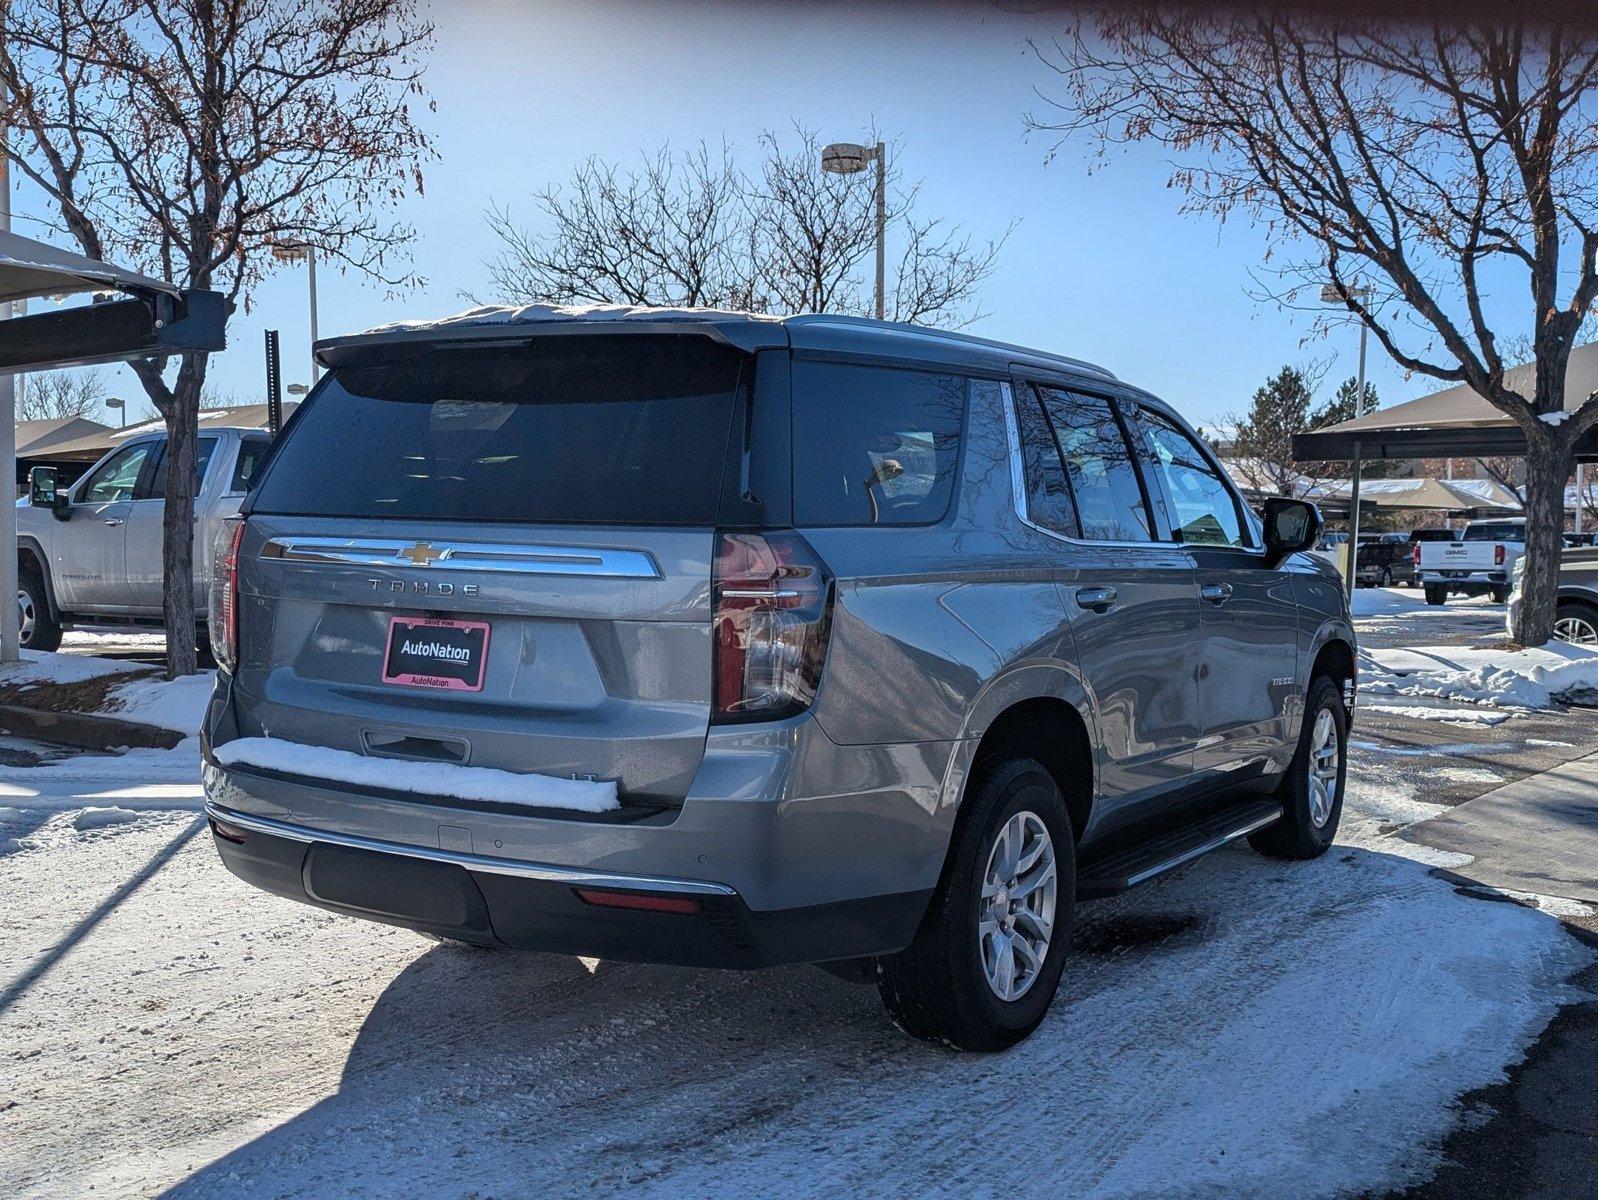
[228, 833]
[663, 904]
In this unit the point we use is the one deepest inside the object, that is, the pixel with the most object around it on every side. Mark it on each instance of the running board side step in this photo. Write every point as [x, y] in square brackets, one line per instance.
[1126, 867]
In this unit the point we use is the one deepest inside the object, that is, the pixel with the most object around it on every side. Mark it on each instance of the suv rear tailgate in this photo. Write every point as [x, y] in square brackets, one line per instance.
[598, 646]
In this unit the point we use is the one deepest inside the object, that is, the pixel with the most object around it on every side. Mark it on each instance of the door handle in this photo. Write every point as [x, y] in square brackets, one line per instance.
[1216, 593]
[113, 521]
[1099, 599]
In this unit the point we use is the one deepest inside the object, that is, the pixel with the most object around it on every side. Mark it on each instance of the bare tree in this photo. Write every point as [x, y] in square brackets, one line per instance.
[666, 233]
[189, 137]
[1427, 162]
[692, 229]
[59, 395]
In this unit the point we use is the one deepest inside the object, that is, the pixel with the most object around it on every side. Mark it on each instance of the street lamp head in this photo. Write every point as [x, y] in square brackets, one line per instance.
[846, 158]
[297, 389]
[290, 251]
[1336, 293]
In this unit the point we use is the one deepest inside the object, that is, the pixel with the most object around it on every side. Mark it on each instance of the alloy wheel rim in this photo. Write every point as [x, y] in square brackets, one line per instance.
[1016, 915]
[1323, 763]
[25, 617]
[1576, 630]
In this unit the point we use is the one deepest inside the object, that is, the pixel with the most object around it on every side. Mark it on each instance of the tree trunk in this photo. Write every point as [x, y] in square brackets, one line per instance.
[181, 413]
[1548, 466]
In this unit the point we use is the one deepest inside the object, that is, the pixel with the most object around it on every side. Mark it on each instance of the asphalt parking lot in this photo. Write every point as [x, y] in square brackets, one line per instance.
[1371, 1023]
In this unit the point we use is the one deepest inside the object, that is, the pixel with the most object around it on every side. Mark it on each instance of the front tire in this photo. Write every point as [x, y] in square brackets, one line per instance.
[1576, 624]
[987, 959]
[1311, 793]
[36, 628]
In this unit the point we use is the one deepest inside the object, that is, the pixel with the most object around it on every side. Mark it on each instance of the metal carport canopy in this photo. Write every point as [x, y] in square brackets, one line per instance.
[1453, 423]
[154, 321]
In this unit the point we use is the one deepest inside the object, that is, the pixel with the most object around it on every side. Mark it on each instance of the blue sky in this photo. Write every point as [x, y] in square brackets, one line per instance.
[1101, 265]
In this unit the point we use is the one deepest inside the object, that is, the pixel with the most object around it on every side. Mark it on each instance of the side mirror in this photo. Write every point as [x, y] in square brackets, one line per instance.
[42, 487]
[1290, 526]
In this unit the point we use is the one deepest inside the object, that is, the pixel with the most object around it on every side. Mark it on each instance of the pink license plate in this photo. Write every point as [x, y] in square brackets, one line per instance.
[433, 653]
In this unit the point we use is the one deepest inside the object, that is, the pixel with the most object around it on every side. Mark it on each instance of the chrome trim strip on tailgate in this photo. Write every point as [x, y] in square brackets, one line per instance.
[574, 876]
[493, 557]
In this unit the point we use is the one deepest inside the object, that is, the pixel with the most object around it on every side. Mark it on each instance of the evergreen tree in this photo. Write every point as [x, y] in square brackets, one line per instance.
[1263, 443]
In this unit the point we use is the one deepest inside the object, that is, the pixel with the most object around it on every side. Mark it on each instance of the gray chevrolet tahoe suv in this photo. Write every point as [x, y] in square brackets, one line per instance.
[702, 638]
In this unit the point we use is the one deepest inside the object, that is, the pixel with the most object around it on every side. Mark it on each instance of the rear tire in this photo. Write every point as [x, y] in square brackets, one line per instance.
[37, 629]
[1500, 595]
[1436, 594]
[974, 941]
[1309, 816]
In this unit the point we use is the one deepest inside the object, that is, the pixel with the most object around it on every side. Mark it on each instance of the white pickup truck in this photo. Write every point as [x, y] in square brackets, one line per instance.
[1481, 560]
[90, 554]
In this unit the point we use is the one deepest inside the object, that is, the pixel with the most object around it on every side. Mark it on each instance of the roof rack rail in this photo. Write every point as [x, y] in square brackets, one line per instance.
[928, 331]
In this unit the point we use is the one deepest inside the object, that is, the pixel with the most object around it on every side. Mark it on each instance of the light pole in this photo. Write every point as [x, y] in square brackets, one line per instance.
[10, 627]
[850, 158]
[122, 410]
[1333, 293]
[294, 252]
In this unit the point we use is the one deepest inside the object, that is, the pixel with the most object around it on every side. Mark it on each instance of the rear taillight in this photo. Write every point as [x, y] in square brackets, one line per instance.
[772, 598]
[1498, 555]
[1414, 555]
[224, 606]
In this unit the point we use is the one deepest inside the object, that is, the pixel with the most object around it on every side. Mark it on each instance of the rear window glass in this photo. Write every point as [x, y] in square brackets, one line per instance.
[628, 430]
[874, 445]
[1496, 531]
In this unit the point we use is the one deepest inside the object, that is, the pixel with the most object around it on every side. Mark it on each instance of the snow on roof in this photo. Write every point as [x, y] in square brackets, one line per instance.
[527, 314]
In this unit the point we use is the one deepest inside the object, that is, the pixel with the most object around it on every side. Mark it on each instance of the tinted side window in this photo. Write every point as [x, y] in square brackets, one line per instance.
[251, 452]
[1204, 511]
[118, 478]
[1098, 464]
[874, 445]
[1048, 498]
[203, 452]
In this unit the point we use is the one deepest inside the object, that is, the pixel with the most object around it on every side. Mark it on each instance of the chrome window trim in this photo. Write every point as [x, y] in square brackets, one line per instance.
[574, 876]
[491, 557]
[1012, 431]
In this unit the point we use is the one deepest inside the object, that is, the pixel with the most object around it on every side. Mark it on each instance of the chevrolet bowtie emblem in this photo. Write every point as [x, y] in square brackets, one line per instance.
[422, 555]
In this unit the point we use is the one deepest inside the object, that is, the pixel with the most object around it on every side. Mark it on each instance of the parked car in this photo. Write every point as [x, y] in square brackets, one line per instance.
[732, 641]
[1576, 618]
[1385, 560]
[91, 553]
[1480, 562]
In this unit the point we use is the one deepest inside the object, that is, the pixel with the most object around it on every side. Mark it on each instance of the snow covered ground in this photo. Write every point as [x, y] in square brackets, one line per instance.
[146, 698]
[1246, 1028]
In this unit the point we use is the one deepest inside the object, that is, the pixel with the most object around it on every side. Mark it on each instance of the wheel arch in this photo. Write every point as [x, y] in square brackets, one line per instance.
[31, 553]
[1039, 711]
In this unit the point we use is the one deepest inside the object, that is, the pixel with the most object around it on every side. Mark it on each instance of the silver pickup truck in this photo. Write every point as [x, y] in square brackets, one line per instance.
[1481, 560]
[90, 554]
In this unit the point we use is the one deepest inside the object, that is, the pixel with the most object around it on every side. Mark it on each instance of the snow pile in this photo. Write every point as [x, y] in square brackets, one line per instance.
[103, 818]
[424, 778]
[145, 699]
[176, 704]
[528, 314]
[1531, 678]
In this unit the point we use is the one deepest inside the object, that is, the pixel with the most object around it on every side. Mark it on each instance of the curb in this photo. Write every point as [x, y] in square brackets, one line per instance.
[83, 730]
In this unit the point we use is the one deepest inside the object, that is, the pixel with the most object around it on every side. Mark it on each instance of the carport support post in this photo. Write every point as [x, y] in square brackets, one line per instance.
[10, 652]
[1353, 522]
